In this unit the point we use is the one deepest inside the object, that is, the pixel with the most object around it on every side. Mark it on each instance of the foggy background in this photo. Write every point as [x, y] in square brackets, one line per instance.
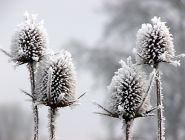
[98, 33]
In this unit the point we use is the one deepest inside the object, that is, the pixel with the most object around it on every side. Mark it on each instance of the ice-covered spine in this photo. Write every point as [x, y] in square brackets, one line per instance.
[160, 116]
[31, 68]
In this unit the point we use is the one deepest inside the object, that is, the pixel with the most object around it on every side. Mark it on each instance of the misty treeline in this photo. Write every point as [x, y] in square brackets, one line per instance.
[15, 123]
[117, 42]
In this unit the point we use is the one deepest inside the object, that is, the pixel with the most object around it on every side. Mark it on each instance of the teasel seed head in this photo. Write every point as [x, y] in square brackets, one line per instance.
[56, 80]
[29, 41]
[154, 43]
[128, 89]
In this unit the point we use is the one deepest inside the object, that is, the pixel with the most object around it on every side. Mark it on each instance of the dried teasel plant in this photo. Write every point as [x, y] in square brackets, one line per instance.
[29, 44]
[55, 84]
[30, 41]
[129, 96]
[155, 45]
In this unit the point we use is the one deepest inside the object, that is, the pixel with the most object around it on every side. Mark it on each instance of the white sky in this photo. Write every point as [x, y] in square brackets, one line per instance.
[64, 20]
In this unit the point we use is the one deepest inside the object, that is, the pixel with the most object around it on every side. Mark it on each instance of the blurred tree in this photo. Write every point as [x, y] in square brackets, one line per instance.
[101, 60]
[16, 124]
[125, 18]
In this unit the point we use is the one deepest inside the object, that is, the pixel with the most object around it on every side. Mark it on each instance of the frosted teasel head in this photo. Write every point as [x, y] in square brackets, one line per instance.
[128, 92]
[155, 43]
[56, 80]
[29, 41]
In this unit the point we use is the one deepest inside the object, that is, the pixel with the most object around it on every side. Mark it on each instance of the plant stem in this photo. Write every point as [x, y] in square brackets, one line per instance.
[35, 108]
[128, 130]
[160, 116]
[52, 118]
[36, 122]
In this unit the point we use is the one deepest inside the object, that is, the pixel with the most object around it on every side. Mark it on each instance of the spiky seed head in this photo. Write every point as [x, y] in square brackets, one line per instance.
[154, 43]
[56, 80]
[127, 91]
[30, 41]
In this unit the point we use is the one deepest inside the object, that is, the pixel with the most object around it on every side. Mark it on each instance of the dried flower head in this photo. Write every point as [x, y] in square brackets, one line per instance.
[29, 42]
[55, 80]
[128, 92]
[154, 43]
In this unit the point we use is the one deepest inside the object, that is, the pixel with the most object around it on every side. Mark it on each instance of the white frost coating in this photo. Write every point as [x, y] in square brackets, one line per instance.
[176, 63]
[29, 42]
[162, 114]
[63, 80]
[128, 88]
[154, 43]
[162, 122]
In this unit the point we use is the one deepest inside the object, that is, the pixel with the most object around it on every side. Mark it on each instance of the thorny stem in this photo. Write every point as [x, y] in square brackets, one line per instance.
[160, 116]
[52, 118]
[36, 122]
[128, 130]
[35, 108]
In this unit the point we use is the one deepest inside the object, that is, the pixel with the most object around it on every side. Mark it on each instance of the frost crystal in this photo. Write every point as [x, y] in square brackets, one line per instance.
[154, 43]
[29, 42]
[55, 80]
[128, 90]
